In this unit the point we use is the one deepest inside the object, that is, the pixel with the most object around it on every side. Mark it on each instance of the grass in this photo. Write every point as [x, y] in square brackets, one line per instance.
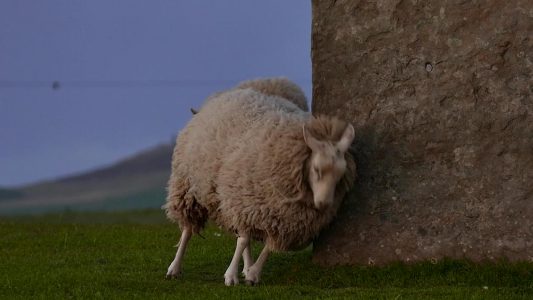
[110, 255]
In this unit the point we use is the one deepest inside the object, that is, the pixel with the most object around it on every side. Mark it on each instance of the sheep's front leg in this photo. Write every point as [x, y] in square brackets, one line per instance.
[231, 277]
[254, 272]
[248, 259]
[174, 269]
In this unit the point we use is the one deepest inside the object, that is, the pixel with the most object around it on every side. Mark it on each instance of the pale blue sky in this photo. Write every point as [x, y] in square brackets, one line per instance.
[129, 71]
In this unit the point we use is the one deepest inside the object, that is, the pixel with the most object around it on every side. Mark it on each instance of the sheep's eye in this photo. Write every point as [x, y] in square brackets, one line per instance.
[338, 152]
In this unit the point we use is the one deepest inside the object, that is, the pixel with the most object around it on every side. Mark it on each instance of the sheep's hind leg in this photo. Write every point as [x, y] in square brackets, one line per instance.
[254, 272]
[174, 270]
[231, 277]
[248, 259]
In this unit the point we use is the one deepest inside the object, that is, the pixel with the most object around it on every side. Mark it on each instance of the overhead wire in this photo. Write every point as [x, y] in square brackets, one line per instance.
[57, 84]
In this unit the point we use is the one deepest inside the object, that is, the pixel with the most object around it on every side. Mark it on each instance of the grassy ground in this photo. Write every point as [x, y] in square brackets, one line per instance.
[125, 255]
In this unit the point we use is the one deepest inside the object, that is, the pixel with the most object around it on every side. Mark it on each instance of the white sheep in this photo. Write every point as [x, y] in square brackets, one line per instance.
[261, 167]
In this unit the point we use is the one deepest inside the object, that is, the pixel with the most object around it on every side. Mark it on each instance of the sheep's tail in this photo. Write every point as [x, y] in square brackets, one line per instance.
[182, 207]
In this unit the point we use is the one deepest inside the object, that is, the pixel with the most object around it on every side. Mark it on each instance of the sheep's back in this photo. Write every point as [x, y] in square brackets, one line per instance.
[224, 122]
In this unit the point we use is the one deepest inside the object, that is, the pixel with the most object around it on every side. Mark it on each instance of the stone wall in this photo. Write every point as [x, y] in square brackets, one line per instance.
[440, 94]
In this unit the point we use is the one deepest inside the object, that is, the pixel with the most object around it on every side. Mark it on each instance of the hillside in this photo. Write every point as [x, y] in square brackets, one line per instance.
[136, 182]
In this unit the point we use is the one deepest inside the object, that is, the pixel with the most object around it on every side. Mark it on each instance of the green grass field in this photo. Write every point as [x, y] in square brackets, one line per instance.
[125, 255]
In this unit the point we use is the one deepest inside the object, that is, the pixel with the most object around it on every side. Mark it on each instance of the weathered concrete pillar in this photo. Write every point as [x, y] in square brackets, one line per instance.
[440, 93]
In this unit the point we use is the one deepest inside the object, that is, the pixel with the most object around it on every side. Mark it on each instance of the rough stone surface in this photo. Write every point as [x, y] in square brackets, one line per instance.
[440, 93]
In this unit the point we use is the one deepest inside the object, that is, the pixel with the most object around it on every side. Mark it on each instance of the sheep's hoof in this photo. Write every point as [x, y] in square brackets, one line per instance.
[230, 279]
[251, 280]
[251, 283]
[171, 275]
[252, 277]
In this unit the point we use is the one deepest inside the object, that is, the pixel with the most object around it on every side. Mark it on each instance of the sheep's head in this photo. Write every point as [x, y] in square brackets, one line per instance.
[326, 164]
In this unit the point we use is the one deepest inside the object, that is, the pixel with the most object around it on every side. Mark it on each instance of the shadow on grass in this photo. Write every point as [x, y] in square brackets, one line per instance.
[295, 268]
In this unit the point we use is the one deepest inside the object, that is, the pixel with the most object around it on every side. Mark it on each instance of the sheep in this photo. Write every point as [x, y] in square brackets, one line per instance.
[259, 166]
[278, 86]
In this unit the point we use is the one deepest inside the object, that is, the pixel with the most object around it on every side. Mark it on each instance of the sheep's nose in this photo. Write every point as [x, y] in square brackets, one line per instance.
[323, 200]
[320, 204]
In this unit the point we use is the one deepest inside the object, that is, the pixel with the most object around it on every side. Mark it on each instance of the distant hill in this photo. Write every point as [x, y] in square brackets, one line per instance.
[136, 182]
[9, 194]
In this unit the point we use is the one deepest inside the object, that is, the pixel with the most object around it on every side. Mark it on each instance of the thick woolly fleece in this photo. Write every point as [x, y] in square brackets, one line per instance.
[242, 161]
[278, 86]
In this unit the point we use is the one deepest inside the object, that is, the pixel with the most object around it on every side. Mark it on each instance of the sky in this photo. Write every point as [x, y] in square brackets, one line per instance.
[128, 72]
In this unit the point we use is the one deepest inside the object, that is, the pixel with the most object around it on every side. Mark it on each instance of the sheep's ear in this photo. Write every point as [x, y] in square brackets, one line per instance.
[346, 139]
[313, 143]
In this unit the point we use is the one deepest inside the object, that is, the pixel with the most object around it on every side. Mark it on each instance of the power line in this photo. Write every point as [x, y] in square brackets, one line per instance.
[57, 84]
